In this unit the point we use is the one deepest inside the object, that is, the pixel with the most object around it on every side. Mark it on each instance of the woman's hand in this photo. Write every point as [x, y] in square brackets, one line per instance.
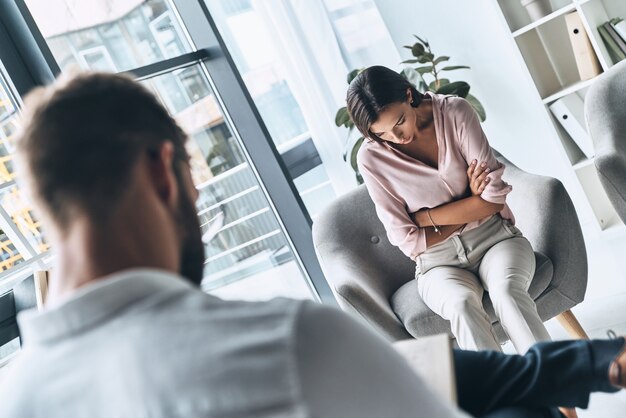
[477, 175]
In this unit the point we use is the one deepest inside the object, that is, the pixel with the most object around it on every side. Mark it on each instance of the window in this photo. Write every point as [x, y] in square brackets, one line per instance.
[249, 256]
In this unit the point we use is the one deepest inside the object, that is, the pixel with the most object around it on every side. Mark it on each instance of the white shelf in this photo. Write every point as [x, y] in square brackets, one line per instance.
[599, 201]
[544, 46]
[547, 18]
[582, 164]
[573, 88]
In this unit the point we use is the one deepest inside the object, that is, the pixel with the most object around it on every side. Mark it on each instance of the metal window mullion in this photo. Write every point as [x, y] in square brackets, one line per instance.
[248, 125]
[9, 278]
[7, 185]
[17, 238]
[168, 65]
[23, 49]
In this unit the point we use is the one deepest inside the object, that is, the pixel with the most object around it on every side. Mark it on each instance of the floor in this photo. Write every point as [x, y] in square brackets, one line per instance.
[604, 307]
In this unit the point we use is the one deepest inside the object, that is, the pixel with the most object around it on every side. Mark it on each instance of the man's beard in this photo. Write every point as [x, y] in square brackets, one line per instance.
[192, 247]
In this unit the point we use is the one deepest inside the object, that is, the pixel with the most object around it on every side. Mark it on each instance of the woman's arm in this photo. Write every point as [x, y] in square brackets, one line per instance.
[462, 211]
[433, 237]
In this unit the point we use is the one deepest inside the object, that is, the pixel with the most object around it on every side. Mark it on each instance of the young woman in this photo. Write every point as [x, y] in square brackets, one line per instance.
[438, 191]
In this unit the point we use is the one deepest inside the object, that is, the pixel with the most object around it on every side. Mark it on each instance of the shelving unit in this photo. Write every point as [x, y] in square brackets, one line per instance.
[545, 48]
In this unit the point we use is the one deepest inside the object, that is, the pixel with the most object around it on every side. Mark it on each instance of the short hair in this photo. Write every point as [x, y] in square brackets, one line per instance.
[82, 136]
[371, 91]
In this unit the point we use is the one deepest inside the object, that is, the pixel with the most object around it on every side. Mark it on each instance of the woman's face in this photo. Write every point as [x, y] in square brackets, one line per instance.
[396, 123]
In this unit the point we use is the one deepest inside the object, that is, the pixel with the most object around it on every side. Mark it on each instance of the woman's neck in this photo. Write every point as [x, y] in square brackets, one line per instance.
[424, 114]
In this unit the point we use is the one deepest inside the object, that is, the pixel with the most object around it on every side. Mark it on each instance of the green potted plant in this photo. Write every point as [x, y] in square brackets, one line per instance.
[427, 76]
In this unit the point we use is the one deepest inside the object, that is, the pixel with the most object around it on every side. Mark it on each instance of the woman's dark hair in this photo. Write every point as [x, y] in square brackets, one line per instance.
[371, 91]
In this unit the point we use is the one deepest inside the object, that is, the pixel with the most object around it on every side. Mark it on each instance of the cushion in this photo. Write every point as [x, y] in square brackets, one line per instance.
[420, 321]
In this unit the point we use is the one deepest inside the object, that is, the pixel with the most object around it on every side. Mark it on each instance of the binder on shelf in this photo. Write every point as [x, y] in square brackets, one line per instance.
[614, 51]
[621, 44]
[570, 112]
[586, 59]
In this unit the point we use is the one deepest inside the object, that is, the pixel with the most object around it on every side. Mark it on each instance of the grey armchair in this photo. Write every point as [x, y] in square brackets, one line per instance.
[605, 111]
[375, 280]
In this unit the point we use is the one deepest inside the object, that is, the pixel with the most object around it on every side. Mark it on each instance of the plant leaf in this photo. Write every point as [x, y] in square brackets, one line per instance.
[478, 107]
[441, 59]
[342, 117]
[412, 76]
[454, 67]
[417, 50]
[425, 69]
[353, 154]
[423, 59]
[413, 61]
[460, 88]
[421, 40]
[353, 74]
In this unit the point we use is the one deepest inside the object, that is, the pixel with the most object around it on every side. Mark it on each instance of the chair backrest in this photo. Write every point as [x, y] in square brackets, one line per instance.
[350, 228]
[605, 112]
[27, 294]
[8, 323]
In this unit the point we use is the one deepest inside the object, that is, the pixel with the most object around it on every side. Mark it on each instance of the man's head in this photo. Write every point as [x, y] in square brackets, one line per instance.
[98, 148]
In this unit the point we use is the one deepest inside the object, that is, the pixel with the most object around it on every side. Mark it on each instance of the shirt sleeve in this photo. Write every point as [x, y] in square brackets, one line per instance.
[392, 212]
[346, 370]
[474, 146]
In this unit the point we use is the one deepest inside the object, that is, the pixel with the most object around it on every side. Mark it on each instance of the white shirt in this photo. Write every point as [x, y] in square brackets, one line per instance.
[145, 343]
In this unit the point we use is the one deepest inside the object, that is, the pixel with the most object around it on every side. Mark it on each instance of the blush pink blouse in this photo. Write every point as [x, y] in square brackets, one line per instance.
[399, 184]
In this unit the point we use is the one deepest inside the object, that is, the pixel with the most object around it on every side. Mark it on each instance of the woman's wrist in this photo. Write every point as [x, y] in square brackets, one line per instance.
[432, 222]
[421, 218]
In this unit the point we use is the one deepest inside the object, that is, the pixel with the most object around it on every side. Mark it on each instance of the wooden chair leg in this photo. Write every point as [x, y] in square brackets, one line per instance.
[41, 287]
[572, 326]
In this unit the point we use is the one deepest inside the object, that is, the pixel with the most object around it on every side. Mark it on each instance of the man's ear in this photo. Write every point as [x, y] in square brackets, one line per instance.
[409, 96]
[162, 173]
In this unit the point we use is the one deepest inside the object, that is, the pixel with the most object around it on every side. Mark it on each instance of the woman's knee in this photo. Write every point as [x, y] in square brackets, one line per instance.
[512, 289]
[463, 305]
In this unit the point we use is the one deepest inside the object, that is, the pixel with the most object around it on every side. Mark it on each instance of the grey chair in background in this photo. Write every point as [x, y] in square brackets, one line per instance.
[605, 112]
[375, 280]
[29, 293]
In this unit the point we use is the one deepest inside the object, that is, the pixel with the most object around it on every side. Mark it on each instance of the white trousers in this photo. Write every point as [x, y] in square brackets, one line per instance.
[495, 257]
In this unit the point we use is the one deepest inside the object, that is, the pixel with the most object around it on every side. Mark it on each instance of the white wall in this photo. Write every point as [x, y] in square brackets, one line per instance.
[474, 33]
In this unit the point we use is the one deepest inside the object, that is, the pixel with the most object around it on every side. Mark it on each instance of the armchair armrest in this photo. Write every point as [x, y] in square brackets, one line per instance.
[360, 288]
[546, 215]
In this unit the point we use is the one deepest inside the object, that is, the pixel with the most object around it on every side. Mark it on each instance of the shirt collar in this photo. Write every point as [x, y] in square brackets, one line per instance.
[96, 302]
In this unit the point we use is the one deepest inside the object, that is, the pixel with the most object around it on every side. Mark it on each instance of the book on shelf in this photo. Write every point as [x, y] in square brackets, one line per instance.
[570, 112]
[586, 59]
[621, 44]
[614, 51]
[619, 25]
[431, 358]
